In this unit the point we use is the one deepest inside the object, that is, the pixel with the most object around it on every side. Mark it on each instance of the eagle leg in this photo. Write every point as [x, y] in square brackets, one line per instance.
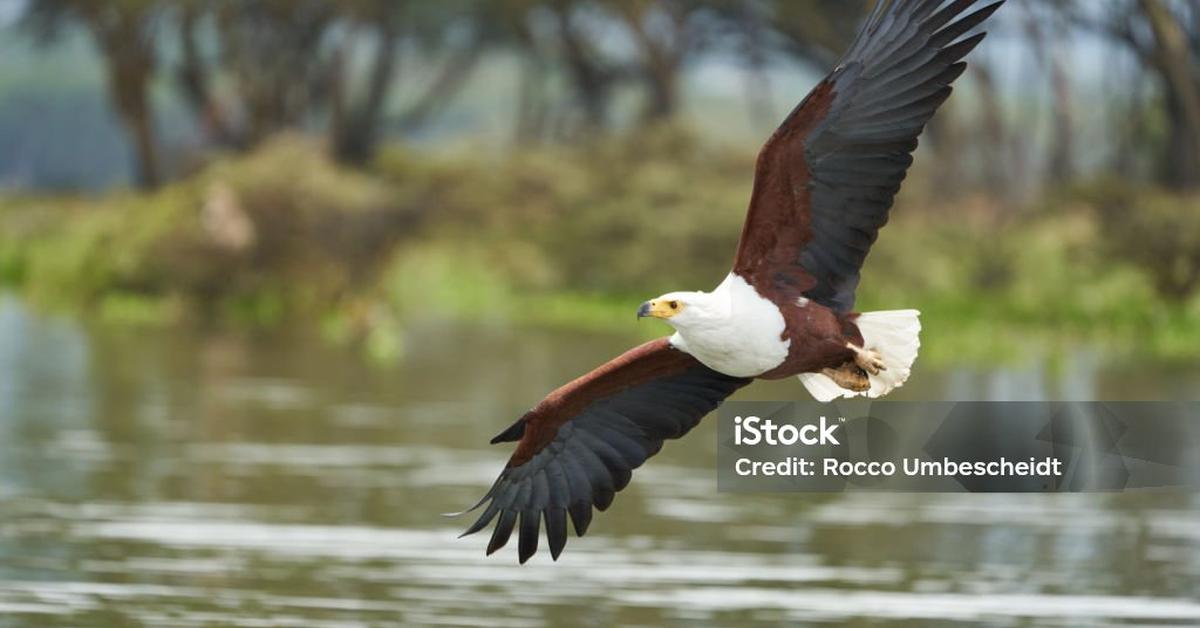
[849, 376]
[868, 360]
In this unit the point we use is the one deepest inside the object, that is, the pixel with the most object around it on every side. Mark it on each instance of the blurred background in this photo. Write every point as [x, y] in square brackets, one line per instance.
[272, 272]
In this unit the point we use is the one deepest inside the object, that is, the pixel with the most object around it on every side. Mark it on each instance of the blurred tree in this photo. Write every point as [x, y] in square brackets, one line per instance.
[532, 98]
[250, 68]
[360, 69]
[1176, 57]
[664, 35]
[562, 37]
[192, 75]
[592, 74]
[1044, 30]
[123, 31]
[294, 65]
[450, 39]
[355, 125]
[280, 58]
[601, 49]
[812, 32]
[1162, 34]
[816, 31]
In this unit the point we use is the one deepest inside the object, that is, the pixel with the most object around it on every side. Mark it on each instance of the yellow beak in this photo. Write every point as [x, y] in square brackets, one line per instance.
[656, 309]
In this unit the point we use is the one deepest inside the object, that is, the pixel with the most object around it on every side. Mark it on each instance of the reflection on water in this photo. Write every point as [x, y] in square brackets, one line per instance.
[161, 478]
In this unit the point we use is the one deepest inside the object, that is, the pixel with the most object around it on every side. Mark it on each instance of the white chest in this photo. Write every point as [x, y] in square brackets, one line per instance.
[745, 341]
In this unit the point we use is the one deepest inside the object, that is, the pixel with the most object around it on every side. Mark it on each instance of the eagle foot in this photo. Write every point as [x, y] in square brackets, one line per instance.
[868, 360]
[849, 376]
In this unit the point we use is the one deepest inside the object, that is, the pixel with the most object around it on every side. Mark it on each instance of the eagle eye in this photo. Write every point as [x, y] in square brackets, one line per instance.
[674, 305]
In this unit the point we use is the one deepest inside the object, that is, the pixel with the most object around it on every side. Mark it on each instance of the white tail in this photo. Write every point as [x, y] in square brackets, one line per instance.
[895, 334]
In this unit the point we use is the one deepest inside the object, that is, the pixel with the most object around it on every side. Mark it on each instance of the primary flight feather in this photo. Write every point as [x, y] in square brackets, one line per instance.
[823, 185]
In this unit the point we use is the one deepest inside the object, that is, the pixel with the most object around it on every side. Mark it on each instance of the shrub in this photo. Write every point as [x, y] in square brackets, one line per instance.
[1154, 229]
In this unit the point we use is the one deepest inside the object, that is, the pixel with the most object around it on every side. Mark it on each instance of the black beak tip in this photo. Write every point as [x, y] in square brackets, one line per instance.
[644, 310]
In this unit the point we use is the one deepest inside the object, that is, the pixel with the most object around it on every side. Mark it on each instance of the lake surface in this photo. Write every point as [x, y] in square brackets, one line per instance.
[184, 478]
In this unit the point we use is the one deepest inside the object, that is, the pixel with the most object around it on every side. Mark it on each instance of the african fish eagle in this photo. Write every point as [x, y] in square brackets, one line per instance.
[823, 185]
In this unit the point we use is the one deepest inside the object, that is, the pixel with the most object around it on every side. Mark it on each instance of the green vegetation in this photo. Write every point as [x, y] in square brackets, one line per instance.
[599, 201]
[577, 236]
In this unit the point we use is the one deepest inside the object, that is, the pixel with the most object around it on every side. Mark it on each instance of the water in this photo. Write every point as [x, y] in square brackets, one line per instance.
[180, 478]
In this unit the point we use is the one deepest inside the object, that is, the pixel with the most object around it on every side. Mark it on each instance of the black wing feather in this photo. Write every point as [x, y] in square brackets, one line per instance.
[887, 87]
[593, 456]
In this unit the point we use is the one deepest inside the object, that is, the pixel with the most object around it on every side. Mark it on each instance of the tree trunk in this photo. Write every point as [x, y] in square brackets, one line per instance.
[1060, 165]
[992, 123]
[1062, 156]
[356, 137]
[757, 89]
[193, 78]
[592, 84]
[531, 102]
[454, 72]
[662, 100]
[661, 56]
[141, 126]
[130, 67]
[122, 35]
[1173, 56]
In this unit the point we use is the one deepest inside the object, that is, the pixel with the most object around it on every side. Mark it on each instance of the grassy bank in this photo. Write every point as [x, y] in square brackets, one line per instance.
[576, 237]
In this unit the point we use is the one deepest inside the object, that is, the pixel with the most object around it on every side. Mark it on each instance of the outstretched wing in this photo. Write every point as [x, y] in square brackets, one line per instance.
[825, 180]
[579, 446]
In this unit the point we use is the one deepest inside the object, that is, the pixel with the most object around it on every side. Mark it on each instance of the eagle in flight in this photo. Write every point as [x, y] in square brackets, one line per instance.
[823, 185]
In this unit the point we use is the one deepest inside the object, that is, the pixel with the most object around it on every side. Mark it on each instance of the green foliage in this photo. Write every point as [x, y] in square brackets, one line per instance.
[994, 284]
[1153, 229]
[69, 251]
[279, 232]
[636, 214]
[137, 309]
[576, 237]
